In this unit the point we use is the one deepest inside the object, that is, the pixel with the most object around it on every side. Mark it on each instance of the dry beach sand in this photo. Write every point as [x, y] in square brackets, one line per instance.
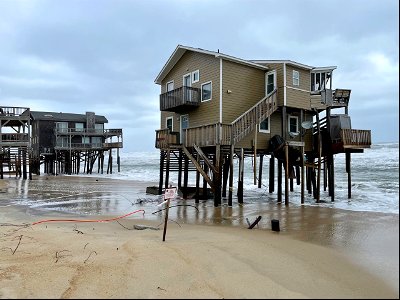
[320, 253]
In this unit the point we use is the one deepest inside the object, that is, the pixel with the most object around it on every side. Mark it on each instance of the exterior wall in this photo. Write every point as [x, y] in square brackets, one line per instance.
[278, 67]
[208, 66]
[47, 138]
[247, 85]
[298, 96]
[262, 137]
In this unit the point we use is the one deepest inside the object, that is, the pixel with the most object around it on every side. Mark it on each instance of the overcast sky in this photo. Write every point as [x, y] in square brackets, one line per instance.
[103, 56]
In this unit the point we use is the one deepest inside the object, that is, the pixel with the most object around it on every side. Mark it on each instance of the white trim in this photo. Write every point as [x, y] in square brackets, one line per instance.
[265, 130]
[180, 127]
[297, 78]
[297, 89]
[220, 90]
[289, 62]
[297, 124]
[166, 85]
[180, 51]
[201, 91]
[284, 84]
[266, 80]
[323, 69]
[166, 122]
[183, 79]
[198, 76]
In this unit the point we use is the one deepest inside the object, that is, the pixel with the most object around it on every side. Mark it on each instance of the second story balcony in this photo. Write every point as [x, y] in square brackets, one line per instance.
[180, 100]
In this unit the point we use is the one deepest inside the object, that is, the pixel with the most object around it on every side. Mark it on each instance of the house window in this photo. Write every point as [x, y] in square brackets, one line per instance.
[85, 140]
[97, 141]
[170, 85]
[62, 126]
[169, 123]
[320, 80]
[63, 141]
[78, 126]
[206, 89]
[293, 124]
[264, 126]
[99, 127]
[195, 76]
[296, 78]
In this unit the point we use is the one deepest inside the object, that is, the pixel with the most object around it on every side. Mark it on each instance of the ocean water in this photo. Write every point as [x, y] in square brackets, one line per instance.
[375, 179]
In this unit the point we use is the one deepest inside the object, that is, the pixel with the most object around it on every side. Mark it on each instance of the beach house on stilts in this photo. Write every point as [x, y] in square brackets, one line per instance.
[65, 141]
[15, 146]
[216, 108]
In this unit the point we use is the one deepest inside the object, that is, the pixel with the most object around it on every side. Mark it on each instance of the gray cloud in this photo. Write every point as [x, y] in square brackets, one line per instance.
[103, 56]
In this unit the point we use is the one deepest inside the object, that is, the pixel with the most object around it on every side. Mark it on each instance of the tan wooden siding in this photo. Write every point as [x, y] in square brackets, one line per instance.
[208, 66]
[278, 67]
[305, 78]
[247, 86]
[298, 99]
[262, 137]
[175, 122]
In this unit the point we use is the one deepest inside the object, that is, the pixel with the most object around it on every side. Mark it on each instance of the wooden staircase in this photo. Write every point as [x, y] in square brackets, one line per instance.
[245, 123]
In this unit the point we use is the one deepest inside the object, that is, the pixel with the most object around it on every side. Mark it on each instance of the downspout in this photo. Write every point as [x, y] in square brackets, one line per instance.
[220, 90]
[284, 84]
[284, 116]
[220, 99]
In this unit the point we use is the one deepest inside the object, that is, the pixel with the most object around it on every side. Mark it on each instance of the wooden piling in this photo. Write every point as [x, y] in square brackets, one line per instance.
[160, 182]
[348, 170]
[230, 176]
[185, 177]
[286, 174]
[280, 164]
[168, 156]
[241, 174]
[225, 173]
[271, 174]
[260, 169]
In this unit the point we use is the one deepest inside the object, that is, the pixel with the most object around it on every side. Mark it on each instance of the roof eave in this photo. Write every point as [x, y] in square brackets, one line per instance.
[180, 50]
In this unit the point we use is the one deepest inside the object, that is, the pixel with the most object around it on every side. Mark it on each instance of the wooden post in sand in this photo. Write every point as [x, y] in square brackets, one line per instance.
[348, 170]
[168, 195]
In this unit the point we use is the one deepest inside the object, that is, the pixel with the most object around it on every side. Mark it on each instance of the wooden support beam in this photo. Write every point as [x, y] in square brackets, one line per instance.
[260, 169]
[271, 174]
[205, 158]
[280, 164]
[205, 194]
[180, 159]
[217, 176]
[348, 170]
[225, 173]
[255, 156]
[302, 176]
[168, 158]
[230, 176]
[198, 167]
[241, 175]
[286, 174]
[197, 196]
[185, 177]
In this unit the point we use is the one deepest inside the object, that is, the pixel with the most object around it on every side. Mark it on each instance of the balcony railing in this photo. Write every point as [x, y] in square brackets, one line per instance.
[165, 138]
[180, 99]
[11, 111]
[88, 131]
[355, 138]
[208, 135]
[14, 139]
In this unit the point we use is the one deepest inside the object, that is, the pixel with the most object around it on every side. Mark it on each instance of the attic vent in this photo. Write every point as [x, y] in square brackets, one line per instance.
[48, 116]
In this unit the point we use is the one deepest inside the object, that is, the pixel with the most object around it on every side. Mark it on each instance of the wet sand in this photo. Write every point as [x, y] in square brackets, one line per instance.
[208, 252]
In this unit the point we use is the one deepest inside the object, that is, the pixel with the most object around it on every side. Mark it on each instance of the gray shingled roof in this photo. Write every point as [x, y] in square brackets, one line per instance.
[60, 116]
